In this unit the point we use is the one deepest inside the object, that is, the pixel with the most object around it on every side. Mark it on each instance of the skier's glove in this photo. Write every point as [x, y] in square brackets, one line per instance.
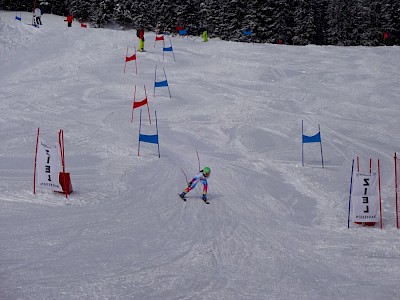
[189, 184]
[204, 197]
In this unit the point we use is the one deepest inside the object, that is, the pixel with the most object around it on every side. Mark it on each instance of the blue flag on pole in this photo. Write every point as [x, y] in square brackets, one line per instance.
[145, 138]
[312, 139]
[153, 139]
[161, 83]
[316, 138]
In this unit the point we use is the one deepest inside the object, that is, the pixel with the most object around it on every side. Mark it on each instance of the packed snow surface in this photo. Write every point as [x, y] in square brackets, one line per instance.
[274, 229]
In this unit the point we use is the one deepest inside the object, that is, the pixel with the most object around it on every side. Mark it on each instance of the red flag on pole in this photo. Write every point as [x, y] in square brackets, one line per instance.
[130, 58]
[133, 57]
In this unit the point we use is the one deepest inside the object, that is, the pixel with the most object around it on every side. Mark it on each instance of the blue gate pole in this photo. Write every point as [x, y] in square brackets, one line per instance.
[173, 53]
[158, 137]
[155, 77]
[320, 142]
[302, 145]
[140, 127]
[167, 83]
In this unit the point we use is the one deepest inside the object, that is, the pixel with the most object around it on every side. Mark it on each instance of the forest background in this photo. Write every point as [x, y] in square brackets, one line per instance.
[295, 22]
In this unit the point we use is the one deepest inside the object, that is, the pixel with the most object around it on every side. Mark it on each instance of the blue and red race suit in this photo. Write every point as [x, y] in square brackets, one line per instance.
[196, 179]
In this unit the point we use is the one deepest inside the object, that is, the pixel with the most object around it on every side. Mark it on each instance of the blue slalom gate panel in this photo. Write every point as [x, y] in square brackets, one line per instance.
[153, 139]
[316, 138]
[312, 139]
[168, 49]
[161, 83]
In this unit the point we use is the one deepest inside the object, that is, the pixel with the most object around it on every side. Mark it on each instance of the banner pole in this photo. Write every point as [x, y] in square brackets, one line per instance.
[320, 142]
[61, 143]
[126, 55]
[351, 185]
[380, 198]
[133, 105]
[370, 165]
[358, 164]
[167, 83]
[396, 190]
[34, 168]
[158, 138]
[147, 102]
[140, 127]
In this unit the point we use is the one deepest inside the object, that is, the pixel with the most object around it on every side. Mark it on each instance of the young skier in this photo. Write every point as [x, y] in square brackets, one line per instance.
[69, 20]
[38, 16]
[204, 35]
[201, 176]
[140, 35]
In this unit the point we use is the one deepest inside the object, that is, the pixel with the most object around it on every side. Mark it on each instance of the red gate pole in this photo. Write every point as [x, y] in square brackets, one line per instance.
[135, 61]
[126, 55]
[133, 105]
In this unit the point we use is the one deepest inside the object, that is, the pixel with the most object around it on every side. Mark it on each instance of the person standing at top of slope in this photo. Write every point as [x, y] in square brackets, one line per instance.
[201, 176]
[140, 35]
[38, 16]
[69, 20]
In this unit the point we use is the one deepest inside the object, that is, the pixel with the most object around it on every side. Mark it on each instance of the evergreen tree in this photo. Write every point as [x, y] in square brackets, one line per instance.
[304, 30]
[321, 22]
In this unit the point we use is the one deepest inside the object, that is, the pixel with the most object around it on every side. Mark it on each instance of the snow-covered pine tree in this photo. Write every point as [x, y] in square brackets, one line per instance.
[304, 30]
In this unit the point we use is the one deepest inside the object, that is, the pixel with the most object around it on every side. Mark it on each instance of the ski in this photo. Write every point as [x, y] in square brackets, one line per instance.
[183, 198]
[205, 201]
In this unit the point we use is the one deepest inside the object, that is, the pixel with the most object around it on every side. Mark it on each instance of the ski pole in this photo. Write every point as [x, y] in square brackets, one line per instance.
[187, 182]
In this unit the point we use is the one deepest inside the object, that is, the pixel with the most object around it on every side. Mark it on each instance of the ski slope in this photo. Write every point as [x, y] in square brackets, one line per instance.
[273, 230]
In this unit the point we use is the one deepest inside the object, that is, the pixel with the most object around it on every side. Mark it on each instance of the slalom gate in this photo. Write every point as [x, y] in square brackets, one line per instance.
[159, 38]
[305, 139]
[168, 49]
[137, 104]
[152, 139]
[130, 58]
[162, 83]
